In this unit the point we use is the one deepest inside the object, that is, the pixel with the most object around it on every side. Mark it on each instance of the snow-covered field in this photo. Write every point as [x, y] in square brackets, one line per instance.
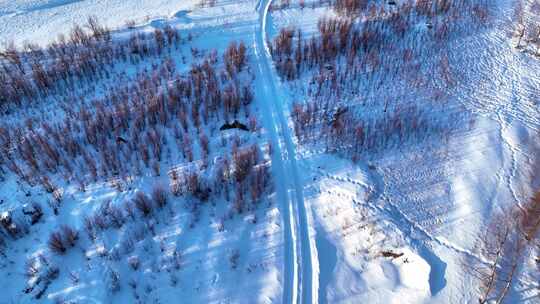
[40, 21]
[404, 222]
[441, 194]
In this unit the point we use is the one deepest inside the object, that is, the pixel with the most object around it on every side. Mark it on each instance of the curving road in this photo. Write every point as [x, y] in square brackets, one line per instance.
[298, 269]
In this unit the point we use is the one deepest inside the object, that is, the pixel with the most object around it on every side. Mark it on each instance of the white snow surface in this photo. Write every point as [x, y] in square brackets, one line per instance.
[321, 238]
[40, 21]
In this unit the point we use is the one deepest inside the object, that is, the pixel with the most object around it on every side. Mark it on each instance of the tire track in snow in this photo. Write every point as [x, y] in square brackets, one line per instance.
[290, 271]
[298, 272]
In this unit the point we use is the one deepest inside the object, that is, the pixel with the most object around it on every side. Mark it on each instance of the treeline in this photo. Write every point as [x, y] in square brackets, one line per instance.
[382, 34]
[428, 8]
[130, 126]
[363, 71]
[338, 128]
[87, 54]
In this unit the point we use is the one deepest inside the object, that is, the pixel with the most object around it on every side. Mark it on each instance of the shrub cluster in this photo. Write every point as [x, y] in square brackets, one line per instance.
[130, 126]
[30, 74]
[63, 239]
[375, 38]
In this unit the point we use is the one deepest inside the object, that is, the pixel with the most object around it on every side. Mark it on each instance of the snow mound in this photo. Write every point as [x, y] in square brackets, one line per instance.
[400, 280]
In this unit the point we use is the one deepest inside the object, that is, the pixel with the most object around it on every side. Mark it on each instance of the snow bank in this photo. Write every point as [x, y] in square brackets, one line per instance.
[401, 280]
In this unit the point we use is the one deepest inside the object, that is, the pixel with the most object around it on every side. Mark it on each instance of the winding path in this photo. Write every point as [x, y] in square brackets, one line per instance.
[298, 270]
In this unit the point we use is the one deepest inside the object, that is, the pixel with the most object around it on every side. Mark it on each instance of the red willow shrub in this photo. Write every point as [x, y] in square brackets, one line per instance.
[30, 74]
[130, 125]
[382, 30]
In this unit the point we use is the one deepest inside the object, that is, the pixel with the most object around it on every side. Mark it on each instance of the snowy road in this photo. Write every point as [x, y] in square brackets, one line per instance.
[298, 271]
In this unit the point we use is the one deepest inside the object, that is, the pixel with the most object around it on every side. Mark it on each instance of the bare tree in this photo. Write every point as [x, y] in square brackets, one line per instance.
[143, 203]
[56, 243]
[159, 195]
[505, 242]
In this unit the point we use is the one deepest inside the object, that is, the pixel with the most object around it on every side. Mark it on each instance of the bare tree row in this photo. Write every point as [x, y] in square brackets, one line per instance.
[132, 125]
[34, 72]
